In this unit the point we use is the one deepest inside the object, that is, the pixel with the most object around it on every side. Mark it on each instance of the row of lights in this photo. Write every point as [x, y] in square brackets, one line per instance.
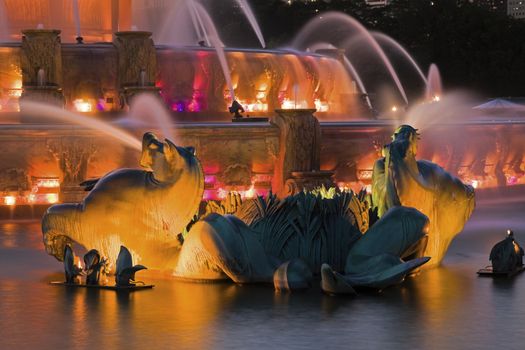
[48, 198]
[44, 191]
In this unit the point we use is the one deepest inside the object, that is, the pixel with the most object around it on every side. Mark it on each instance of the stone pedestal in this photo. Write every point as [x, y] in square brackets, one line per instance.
[307, 180]
[137, 64]
[298, 161]
[72, 194]
[41, 63]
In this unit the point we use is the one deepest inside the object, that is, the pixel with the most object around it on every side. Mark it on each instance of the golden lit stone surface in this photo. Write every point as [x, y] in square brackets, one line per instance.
[401, 180]
[140, 209]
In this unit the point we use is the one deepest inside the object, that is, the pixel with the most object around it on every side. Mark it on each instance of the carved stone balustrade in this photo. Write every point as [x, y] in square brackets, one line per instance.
[41, 63]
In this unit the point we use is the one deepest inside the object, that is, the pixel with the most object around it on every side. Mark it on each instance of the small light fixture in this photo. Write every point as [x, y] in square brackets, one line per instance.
[10, 200]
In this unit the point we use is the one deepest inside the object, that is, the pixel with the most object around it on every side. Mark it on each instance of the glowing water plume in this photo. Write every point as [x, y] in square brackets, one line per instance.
[314, 26]
[41, 77]
[389, 41]
[246, 9]
[76, 16]
[205, 30]
[198, 14]
[4, 28]
[350, 44]
[175, 26]
[453, 107]
[196, 20]
[53, 112]
[353, 72]
[149, 109]
[434, 87]
[217, 44]
[180, 26]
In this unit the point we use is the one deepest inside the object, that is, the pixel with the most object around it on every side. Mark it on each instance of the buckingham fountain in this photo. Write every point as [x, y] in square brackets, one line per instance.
[310, 180]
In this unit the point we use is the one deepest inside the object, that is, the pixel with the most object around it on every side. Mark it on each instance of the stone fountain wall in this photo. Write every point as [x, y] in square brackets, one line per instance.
[190, 80]
[487, 154]
[236, 154]
[244, 156]
[90, 72]
[232, 157]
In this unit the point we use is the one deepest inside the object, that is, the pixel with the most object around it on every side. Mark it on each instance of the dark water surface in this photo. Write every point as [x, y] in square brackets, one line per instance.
[443, 308]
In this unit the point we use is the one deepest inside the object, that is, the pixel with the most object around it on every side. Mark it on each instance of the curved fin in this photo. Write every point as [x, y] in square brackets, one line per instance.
[333, 282]
[89, 184]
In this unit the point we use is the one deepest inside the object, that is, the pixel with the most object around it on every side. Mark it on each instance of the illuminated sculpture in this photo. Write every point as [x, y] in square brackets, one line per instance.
[72, 271]
[400, 180]
[385, 254]
[281, 241]
[125, 271]
[93, 266]
[507, 255]
[143, 210]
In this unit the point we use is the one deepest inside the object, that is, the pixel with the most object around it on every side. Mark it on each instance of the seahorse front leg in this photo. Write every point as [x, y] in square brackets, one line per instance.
[60, 227]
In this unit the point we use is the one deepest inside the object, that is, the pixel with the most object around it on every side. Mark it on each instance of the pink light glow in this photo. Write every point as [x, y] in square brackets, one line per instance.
[512, 180]
[210, 179]
[209, 195]
[210, 169]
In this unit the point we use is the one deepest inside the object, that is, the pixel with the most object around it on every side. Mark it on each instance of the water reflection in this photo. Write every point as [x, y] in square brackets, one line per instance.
[20, 234]
[432, 310]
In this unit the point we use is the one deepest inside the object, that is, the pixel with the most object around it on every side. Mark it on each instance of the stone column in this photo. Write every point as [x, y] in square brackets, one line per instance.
[137, 64]
[41, 62]
[298, 161]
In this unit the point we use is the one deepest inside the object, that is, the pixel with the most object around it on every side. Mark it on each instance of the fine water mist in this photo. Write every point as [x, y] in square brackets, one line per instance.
[150, 112]
[454, 107]
[246, 9]
[385, 39]
[180, 24]
[434, 86]
[321, 29]
[48, 111]
[177, 31]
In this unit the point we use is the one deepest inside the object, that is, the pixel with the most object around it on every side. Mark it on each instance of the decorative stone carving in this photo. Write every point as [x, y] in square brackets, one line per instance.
[299, 151]
[137, 64]
[73, 156]
[272, 148]
[41, 49]
[41, 62]
[236, 175]
[307, 180]
[14, 179]
[136, 54]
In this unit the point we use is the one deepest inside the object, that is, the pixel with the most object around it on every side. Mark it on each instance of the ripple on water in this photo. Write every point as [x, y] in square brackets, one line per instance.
[446, 307]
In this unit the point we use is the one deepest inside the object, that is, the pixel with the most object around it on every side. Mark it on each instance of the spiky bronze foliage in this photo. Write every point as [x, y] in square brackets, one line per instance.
[306, 225]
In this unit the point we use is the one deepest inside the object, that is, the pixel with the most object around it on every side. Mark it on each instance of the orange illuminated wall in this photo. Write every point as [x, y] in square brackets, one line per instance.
[99, 19]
